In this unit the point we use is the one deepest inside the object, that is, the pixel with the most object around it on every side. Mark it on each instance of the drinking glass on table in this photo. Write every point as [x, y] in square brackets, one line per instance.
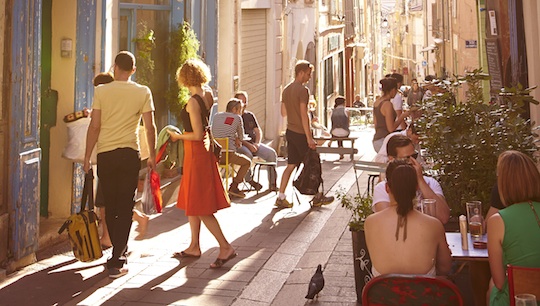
[428, 206]
[525, 299]
[475, 218]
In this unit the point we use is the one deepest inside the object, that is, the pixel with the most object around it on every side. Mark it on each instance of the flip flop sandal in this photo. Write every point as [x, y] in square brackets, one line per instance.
[220, 262]
[183, 254]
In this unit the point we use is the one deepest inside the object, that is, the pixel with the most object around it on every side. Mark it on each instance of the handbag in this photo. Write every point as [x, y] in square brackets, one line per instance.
[214, 146]
[75, 149]
[151, 199]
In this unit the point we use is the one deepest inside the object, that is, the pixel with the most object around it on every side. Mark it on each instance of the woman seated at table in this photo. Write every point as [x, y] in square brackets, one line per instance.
[340, 121]
[401, 239]
[514, 232]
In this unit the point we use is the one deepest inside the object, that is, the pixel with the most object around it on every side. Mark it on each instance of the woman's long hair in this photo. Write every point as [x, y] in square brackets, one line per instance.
[403, 185]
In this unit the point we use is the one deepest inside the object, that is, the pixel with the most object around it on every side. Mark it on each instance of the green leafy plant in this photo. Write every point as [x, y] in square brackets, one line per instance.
[145, 43]
[359, 205]
[183, 46]
[463, 140]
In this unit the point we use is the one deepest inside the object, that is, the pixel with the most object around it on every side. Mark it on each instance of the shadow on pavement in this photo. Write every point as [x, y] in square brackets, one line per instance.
[50, 287]
[197, 280]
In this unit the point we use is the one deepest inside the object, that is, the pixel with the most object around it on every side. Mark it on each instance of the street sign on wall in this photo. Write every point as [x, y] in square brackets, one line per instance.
[471, 44]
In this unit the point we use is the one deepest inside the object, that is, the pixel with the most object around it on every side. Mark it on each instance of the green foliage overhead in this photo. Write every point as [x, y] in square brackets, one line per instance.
[183, 46]
[145, 43]
[464, 140]
[359, 205]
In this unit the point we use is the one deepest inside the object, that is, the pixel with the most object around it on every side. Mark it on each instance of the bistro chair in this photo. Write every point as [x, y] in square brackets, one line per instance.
[523, 280]
[259, 163]
[226, 167]
[374, 170]
[404, 289]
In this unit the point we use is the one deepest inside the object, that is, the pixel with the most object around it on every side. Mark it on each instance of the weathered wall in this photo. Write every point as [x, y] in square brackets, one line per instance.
[64, 25]
[4, 220]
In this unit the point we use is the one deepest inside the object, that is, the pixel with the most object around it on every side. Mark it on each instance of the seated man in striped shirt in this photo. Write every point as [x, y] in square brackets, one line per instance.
[229, 124]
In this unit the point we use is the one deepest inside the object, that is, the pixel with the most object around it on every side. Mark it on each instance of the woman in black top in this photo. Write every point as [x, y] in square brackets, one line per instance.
[384, 115]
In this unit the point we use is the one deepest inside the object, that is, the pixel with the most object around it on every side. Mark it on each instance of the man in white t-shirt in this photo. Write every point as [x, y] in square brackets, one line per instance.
[401, 147]
[397, 100]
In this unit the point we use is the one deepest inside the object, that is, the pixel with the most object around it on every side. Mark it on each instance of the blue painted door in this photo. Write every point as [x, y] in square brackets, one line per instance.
[84, 74]
[24, 152]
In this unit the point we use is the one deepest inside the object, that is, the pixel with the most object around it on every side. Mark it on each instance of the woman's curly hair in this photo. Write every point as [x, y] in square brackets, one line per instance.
[193, 72]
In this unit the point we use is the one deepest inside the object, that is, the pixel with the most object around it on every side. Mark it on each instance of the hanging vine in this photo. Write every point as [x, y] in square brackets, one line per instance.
[145, 43]
[183, 46]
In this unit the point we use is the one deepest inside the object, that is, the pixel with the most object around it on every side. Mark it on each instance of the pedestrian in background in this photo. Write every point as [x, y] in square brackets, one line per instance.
[116, 112]
[201, 191]
[397, 100]
[385, 118]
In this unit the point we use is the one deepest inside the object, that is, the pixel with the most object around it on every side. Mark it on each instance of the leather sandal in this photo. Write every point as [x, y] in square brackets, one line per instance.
[183, 254]
[220, 262]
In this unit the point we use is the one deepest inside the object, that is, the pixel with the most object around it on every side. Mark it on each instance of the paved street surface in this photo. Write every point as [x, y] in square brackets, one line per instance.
[278, 251]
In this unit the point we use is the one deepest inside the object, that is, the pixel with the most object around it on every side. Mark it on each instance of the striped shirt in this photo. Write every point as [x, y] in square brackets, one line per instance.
[229, 125]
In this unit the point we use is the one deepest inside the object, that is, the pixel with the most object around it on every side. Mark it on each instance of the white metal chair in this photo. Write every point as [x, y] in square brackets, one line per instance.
[375, 168]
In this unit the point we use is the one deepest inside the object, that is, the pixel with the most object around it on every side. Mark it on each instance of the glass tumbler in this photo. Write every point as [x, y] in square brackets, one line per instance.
[525, 299]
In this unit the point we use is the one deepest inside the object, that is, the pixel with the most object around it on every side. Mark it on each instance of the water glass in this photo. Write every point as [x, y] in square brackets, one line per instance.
[475, 218]
[525, 299]
[429, 207]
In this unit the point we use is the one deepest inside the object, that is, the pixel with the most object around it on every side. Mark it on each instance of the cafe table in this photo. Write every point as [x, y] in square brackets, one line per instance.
[472, 254]
[477, 259]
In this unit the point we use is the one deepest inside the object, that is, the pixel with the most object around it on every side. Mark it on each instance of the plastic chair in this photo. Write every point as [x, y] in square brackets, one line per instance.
[523, 280]
[403, 289]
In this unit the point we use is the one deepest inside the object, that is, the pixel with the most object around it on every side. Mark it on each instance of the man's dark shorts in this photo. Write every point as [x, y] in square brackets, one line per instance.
[297, 147]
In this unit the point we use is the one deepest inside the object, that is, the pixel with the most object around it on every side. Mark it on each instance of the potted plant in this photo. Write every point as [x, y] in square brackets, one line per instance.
[464, 139]
[360, 207]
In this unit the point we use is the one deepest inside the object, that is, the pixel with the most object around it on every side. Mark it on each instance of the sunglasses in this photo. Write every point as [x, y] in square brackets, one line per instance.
[414, 156]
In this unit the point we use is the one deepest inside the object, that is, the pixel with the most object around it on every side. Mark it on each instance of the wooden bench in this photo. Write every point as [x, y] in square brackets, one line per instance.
[336, 150]
[374, 167]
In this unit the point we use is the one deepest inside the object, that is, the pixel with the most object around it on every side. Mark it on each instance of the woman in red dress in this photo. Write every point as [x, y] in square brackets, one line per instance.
[201, 191]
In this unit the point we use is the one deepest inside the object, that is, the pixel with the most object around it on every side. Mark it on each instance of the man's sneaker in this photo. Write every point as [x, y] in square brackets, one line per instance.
[117, 272]
[319, 200]
[282, 203]
[255, 185]
[234, 191]
[273, 188]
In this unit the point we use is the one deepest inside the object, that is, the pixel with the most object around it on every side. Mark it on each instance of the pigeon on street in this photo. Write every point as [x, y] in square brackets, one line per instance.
[316, 284]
